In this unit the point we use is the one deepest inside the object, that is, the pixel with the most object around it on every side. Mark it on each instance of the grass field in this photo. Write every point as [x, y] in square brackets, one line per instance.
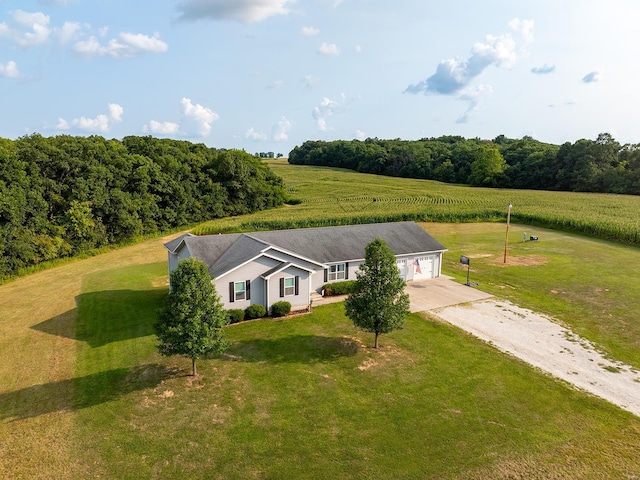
[330, 196]
[84, 394]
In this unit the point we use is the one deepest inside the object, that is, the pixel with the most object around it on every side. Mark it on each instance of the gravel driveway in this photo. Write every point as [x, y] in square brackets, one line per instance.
[539, 341]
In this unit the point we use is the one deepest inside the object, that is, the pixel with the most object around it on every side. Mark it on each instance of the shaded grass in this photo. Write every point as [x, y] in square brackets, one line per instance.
[589, 285]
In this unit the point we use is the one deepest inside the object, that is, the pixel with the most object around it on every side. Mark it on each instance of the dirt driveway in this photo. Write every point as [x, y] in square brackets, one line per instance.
[534, 338]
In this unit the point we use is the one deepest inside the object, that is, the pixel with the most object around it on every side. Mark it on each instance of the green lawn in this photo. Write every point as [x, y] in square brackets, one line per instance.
[308, 398]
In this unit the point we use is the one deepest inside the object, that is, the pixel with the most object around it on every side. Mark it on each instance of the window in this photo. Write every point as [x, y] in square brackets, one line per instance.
[336, 272]
[240, 289]
[289, 286]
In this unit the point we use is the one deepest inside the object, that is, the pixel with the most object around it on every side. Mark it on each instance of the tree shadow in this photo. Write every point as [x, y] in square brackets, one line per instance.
[107, 316]
[292, 349]
[78, 393]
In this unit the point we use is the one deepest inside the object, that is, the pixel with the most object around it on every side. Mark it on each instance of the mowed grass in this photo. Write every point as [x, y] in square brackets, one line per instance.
[330, 195]
[85, 395]
[591, 286]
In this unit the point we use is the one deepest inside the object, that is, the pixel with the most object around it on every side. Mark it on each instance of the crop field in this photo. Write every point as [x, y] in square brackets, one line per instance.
[325, 196]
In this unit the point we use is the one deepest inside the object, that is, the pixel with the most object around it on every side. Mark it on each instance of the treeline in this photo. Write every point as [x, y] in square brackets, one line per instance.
[63, 195]
[601, 165]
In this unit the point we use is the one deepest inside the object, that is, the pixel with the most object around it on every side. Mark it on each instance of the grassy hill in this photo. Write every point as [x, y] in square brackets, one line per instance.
[83, 393]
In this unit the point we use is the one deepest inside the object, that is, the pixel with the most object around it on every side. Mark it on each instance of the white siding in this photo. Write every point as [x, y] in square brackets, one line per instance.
[252, 272]
[300, 300]
[318, 277]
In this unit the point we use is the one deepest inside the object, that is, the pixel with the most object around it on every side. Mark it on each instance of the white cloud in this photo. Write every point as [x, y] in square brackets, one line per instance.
[309, 31]
[115, 112]
[360, 135]
[62, 124]
[162, 128]
[144, 43]
[251, 134]
[329, 49]
[31, 29]
[281, 129]
[326, 108]
[473, 100]
[544, 69]
[358, 48]
[246, 11]
[454, 74]
[309, 81]
[592, 77]
[523, 27]
[100, 124]
[200, 117]
[126, 45]
[197, 121]
[10, 70]
[67, 32]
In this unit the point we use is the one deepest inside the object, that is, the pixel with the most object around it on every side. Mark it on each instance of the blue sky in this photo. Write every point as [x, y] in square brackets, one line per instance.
[266, 75]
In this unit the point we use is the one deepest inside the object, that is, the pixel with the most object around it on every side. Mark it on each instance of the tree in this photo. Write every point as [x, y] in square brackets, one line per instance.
[379, 304]
[191, 322]
[487, 167]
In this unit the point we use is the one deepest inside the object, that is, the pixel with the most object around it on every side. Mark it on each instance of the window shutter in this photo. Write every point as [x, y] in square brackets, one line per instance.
[326, 275]
[282, 287]
[248, 288]
[297, 285]
[232, 293]
[346, 271]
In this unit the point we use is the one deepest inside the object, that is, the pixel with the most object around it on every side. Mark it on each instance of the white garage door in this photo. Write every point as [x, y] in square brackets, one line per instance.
[423, 267]
[402, 268]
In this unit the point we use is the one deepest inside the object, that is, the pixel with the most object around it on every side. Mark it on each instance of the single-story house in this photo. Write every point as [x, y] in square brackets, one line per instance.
[293, 265]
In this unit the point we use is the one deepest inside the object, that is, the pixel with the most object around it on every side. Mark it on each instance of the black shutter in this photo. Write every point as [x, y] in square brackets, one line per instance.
[297, 285]
[232, 292]
[346, 271]
[326, 275]
[248, 288]
[282, 287]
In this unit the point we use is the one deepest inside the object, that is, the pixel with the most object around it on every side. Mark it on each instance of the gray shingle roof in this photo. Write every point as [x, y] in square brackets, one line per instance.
[323, 244]
[173, 244]
[335, 244]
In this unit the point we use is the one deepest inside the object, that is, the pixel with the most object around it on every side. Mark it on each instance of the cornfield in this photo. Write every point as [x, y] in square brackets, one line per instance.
[327, 196]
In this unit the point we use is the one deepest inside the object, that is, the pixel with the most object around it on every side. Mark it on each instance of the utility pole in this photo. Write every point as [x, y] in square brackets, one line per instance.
[506, 240]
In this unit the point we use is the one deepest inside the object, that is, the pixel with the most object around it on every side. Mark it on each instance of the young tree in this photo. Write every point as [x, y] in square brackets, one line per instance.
[379, 304]
[191, 322]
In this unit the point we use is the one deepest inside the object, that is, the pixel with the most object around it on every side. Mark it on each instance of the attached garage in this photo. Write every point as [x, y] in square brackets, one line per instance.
[421, 267]
[425, 267]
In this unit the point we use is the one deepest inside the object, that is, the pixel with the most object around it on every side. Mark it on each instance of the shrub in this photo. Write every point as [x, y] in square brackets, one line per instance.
[280, 309]
[235, 315]
[255, 311]
[339, 288]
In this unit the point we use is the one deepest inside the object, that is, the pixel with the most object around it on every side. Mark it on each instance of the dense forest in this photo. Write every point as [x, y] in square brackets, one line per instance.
[60, 196]
[601, 165]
